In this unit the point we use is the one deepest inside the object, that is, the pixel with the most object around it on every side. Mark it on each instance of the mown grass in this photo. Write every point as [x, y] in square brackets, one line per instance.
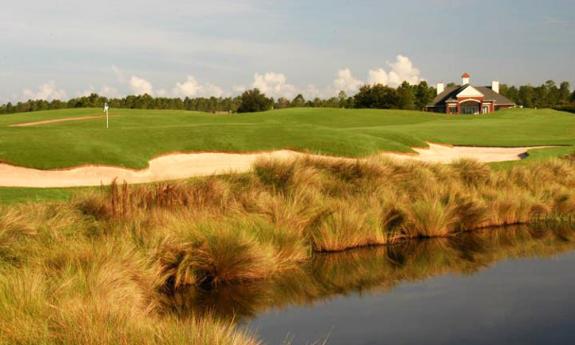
[136, 136]
[12, 195]
[98, 268]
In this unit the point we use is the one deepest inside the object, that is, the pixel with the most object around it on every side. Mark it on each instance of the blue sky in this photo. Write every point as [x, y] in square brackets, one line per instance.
[64, 48]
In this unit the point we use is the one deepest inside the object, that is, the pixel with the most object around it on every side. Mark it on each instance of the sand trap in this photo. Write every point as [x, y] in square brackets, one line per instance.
[447, 154]
[181, 166]
[46, 122]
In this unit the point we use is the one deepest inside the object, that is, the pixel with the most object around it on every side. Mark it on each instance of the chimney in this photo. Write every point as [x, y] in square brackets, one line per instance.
[465, 79]
[495, 86]
[440, 88]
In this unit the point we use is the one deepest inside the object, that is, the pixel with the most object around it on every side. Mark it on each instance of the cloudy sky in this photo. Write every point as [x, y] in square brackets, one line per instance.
[65, 48]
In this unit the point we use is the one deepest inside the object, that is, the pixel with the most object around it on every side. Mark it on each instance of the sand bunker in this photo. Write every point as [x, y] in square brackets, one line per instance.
[447, 154]
[181, 166]
[46, 122]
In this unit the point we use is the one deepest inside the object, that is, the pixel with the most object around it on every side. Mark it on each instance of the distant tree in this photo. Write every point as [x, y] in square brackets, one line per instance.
[551, 94]
[298, 101]
[540, 96]
[282, 102]
[510, 92]
[376, 96]
[526, 96]
[424, 94]
[564, 93]
[405, 96]
[253, 101]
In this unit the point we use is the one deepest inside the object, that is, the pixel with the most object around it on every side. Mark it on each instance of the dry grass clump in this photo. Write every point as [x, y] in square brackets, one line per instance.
[122, 201]
[210, 253]
[79, 291]
[37, 309]
[430, 217]
[326, 276]
[96, 270]
[333, 205]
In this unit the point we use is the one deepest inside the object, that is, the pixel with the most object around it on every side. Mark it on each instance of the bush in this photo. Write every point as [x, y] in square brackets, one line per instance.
[253, 101]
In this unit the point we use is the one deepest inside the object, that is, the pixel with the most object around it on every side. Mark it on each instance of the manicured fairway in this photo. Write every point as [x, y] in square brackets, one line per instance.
[16, 195]
[136, 136]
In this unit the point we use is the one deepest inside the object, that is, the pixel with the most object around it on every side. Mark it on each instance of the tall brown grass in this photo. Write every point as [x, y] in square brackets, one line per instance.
[365, 270]
[315, 204]
[96, 270]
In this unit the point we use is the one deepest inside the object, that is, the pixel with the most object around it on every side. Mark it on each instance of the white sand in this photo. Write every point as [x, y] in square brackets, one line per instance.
[447, 154]
[46, 122]
[181, 166]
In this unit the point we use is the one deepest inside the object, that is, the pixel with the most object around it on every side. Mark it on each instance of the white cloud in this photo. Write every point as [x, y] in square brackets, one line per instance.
[47, 91]
[274, 85]
[238, 89]
[401, 70]
[106, 91]
[189, 88]
[140, 86]
[345, 81]
[161, 93]
[192, 88]
[137, 84]
[312, 92]
[378, 76]
[210, 90]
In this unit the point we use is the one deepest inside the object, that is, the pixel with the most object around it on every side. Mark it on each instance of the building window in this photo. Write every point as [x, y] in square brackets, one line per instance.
[485, 109]
[469, 108]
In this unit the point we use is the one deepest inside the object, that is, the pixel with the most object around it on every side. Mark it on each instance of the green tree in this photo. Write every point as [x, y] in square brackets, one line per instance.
[282, 102]
[564, 93]
[298, 101]
[526, 96]
[253, 101]
[376, 96]
[510, 92]
[405, 96]
[551, 96]
[424, 94]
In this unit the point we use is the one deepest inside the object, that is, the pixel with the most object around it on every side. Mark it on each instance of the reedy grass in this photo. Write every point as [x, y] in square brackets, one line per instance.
[97, 270]
[367, 270]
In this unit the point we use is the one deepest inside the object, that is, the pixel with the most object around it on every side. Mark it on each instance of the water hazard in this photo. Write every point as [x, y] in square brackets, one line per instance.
[507, 286]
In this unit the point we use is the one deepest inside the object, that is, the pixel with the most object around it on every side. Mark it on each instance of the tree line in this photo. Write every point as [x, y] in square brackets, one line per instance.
[547, 95]
[406, 96]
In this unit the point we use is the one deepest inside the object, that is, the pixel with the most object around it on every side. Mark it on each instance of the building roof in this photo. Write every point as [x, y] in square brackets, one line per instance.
[450, 94]
[465, 75]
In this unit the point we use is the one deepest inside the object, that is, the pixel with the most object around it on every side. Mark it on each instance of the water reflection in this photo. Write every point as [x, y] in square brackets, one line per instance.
[373, 270]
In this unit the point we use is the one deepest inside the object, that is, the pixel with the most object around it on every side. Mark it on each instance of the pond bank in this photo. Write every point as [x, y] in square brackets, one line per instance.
[108, 259]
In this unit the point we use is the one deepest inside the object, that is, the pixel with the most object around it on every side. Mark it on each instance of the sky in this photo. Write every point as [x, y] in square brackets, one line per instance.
[67, 48]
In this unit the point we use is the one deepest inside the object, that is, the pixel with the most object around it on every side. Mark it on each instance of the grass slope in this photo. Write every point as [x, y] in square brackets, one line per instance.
[9, 195]
[136, 136]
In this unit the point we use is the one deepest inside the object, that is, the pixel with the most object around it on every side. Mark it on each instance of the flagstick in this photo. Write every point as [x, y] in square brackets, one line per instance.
[106, 109]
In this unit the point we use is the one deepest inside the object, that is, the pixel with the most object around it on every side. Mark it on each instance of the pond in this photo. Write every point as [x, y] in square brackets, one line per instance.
[506, 286]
